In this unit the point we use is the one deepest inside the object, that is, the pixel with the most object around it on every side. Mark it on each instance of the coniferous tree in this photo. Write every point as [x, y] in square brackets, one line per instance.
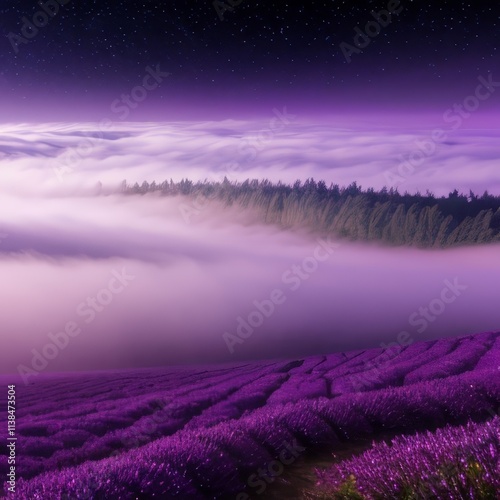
[350, 212]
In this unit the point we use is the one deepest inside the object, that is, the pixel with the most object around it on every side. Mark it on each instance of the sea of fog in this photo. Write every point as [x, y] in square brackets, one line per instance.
[55, 158]
[131, 283]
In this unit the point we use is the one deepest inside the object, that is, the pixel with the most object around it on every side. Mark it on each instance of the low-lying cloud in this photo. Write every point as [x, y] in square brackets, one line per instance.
[192, 282]
[62, 246]
[59, 158]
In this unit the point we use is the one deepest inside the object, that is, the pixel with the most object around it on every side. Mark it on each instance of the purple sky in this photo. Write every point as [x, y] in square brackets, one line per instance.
[421, 57]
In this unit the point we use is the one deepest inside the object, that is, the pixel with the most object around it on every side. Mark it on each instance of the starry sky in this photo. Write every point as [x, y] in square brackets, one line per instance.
[260, 55]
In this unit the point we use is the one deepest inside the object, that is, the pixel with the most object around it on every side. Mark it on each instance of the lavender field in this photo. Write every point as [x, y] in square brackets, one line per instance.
[260, 430]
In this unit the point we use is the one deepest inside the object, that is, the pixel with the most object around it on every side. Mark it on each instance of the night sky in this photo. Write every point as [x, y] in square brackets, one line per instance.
[262, 54]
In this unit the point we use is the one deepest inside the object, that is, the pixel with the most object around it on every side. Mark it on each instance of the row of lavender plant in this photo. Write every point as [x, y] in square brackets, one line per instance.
[205, 461]
[453, 463]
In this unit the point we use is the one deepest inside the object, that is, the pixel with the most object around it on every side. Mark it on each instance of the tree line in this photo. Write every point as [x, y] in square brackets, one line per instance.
[351, 212]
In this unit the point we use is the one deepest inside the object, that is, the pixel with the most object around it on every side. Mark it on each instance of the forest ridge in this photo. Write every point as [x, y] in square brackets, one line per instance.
[349, 212]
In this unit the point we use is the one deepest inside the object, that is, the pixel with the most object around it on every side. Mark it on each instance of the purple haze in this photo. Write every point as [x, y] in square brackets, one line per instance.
[63, 238]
